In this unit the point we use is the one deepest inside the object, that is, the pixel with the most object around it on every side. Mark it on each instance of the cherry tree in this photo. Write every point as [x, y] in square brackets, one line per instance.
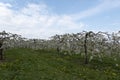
[6, 39]
[3, 36]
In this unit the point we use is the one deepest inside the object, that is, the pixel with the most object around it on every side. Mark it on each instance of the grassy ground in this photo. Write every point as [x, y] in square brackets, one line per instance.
[27, 64]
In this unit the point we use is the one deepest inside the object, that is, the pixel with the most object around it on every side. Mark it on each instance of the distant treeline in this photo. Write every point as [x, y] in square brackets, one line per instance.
[100, 43]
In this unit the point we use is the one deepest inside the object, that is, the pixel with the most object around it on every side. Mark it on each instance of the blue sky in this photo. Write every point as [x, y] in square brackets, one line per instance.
[45, 18]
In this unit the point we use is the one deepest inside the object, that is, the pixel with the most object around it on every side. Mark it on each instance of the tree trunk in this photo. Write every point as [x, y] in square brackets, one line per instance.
[1, 54]
[85, 47]
[1, 51]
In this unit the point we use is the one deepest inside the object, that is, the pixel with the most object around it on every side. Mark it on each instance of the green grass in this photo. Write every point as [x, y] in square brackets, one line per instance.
[27, 64]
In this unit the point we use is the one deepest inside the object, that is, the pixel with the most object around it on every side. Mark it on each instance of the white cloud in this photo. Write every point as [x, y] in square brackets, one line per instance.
[104, 5]
[5, 5]
[34, 9]
[35, 21]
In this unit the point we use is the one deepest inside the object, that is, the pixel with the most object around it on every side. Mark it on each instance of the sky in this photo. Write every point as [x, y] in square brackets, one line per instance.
[45, 18]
